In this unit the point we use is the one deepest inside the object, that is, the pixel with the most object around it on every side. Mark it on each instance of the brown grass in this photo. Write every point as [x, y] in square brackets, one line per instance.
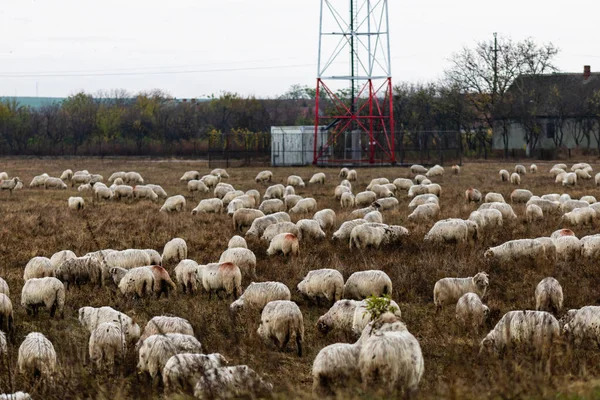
[38, 223]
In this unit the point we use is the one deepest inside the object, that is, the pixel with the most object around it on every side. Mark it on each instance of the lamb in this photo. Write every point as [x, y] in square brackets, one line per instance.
[374, 235]
[189, 175]
[344, 231]
[363, 284]
[217, 277]
[59, 257]
[38, 267]
[403, 183]
[258, 295]
[285, 243]
[560, 177]
[451, 230]
[6, 313]
[304, 206]
[339, 318]
[492, 197]
[271, 206]
[245, 217]
[160, 192]
[520, 196]
[295, 180]
[174, 251]
[280, 320]
[10, 184]
[336, 364]
[590, 246]
[347, 200]
[213, 205]
[309, 229]
[420, 179]
[39, 180]
[264, 176]
[106, 342]
[515, 178]
[319, 177]
[568, 248]
[320, 284]
[326, 218]
[436, 170]
[161, 325]
[517, 251]
[243, 258]
[504, 175]
[289, 190]
[549, 296]
[424, 213]
[261, 223]
[182, 371]
[54, 183]
[237, 242]
[76, 203]
[418, 169]
[156, 350]
[144, 192]
[189, 275]
[520, 169]
[221, 189]
[196, 185]
[352, 175]
[274, 192]
[365, 198]
[91, 318]
[133, 178]
[534, 213]
[231, 382]
[220, 172]
[472, 195]
[174, 204]
[449, 290]
[127, 259]
[37, 356]
[569, 179]
[580, 217]
[80, 270]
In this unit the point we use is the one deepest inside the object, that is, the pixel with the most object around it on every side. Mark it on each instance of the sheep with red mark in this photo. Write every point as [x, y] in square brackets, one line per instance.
[218, 277]
[285, 243]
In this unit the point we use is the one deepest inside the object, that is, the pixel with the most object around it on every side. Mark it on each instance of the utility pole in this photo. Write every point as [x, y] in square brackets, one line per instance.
[495, 84]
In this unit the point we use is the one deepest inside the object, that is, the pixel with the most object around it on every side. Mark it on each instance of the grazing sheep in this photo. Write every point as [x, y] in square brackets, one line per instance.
[436, 170]
[182, 371]
[347, 200]
[274, 192]
[373, 216]
[589, 199]
[174, 204]
[291, 200]
[339, 318]
[448, 290]
[420, 179]
[424, 213]
[10, 184]
[418, 169]
[555, 172]
[80, 270]
[419, 200]
[237, 242]
[295, 180]
[59, 257]
[374, 235]
[259, 224]
[452, 230]
[362, 317]
[257, 295]
[39, 180]
[534, 213]
[569, 205]
[352, 175]
[106, 342]
[280, 227]
[160, 192]
[520, 196]
[361, 212]
[213, 205]
[322, 284]
[547, 206]
[363, 284]
[582, 326]
[319, 177]
[138, 281]
[520, 169]
[243, 258]
[533, 168]
[144, 192]
[582, 174]
[222, 189]
[174, 251]
[304, 206]
[568, 248]
[505, 209]
[65, 176]
[381, 191]
[37, 356]
[91, 318]
[76, 203]
[161, 325]
[281, 320]
[54, 183]
[336, 364]
[196, 185]
[344, 172]
[549, 296]
[289, 190]
[344, 231]
[38, 267]
[309, 229]
[504, 177]
[515, 178]
[156, 350]
[340, 190]
[217, 277]
[580, 217]
[472, 195]
[492, 197]
[189, 175]
[245, 217]
[4, 287]
[365, 198]
[285, 243]
[569, 179]
[220, 172]
[6, 314]
[189, 275]
[471, 313]
[127, 259]
[549, 248]
[231, 383]
[133, 178]
[403, 183]
[103, 193]
[264, 176]
[272, 206]
[561, 232]
[326, 218]
[81, 178]
[517, 250]
[123, 192]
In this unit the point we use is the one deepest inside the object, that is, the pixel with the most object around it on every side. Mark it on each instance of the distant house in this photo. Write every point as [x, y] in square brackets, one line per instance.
[549, 111]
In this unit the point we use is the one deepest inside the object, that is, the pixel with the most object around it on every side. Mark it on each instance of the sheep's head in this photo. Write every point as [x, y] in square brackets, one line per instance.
[236, 306]
[488, 344]
[481, 280]
[301, 286]
[489, 253]
[324, 324]
[486, 311]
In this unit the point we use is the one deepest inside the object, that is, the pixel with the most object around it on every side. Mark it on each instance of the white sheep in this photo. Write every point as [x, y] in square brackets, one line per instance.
[361, 212]
[520, 169]
[472, 195]
[281, 320]
[471, 313]
[196, 185]
[227, 277]
[257, 295]
[377, 181]
[174, 204]
[161, 325]
[295, 180]
[243, 258]
[65, 176]
[339, 318]
[244, 218]
[547, 206]
[15, 396]
[492, 197]
[138, 281]
[80, 270]
[271, 206]
[38, 267]
[323, 283]
[213, 205]
[517, 250]
[520, 196]
[4, 287]
[91, 318]
[289, 190]
[582, 326]
[419, 200]
[187, 176]
[569, 205]
[365, 198]
[347, 200]
[3, 176]
[309, 229]
[280, 227]
[515, 178]
[274, 192]
[133, 178]
[263, 176]
[373, 216]
[363, 284]
[582, 174]
[285, 243]
[452, 230]
[580, 217]
[344, 172]
[326, 218]
[106, 342]
[231, 383]
[381, 191]
[590, 246]
[291, 200]
[448, 290]
[424, 213]
[418, 169]
[123, 192]
[38, 181]
[174, 251]
[534, 213]
[436, 170]
[549, 296]
[569, 179]
[568, 248]
[60, 256]
[533, 168]
[504, 208]
[374, 235]
[403, 183]
[504, 177]
[144, 192]
[222, 189]
[340, 190]
[362, 317]
[80, 178]
[304, 206]
[344, 231]
[549, 248]
[54, 183]
[127, 259]
[319, 177]
[156, 350]
[183, 370]
[116, 175]
[352, 175]
[420, 179]
[259, 224]
[76, 203]
[557, 171]
[237, 242]
[589, 199]
[188, 275]
[335, 364]
[160, 192]
[6, 314]
[104, 193]
[10, 184]
[37, 356]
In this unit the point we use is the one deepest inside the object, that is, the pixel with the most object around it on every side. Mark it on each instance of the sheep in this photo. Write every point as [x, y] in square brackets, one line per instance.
[492, 197]
[156, 350]
[534, 213]
[340, 190]
[374, 235]
[174, 251]
[138, 281]
[533, 168]
[365, 198]
[295, 180]
[520, 196]
[106, 342]
[59, 257]
[582, 174]
[85, 188]
[560, 177]
[221, 189]
[557, 171]
[133, 178]
[38, 180]
[274, 192]
[289, 190]
[309, 229]
[381, 191]
[76, 203]
[161, 325]
[451, 230]
[285, 243]
[597, 179]
[537, 331]
[471, 313]
[581, 326]
[448, 290]
[580, 217]
[3, 176]
[322, 284]
[80, 270]
[263, 176]
[116, 175]
[363, 284]
[347, 200]
[569, 179]
[245, 217]
[505, 209]
[217, 277]
[436, 170]
[304, 206]
[319, 177]
[549, 248]
[326, 218]
[504, 177]
[90, 318]
[403, 183]
[561, 232]
[517, 251]
[472, 195]
[257, 295]
[291, 200]
[213, 205]
[419, 200]
[339, 318]
[4, 287]
[362, 317]
[259, 224]
[352, 175]
[54, 183]
[280, 227]
[492, 218]
[237, 242]
[549, 296]
[37, 356]
[195, 185]
[189, 275]
[515, 178]
[280, 320]
[561, 166]
[10, 184]
[243, 258]
[144, 192]
[335, 364]
[6, 313]
[420, 179]
[231, 382]
[520, 169]
[373, 216]
[568, 248]
[182, 371]
[432, 188]
[190, 175]
[123, 191]
[344, 172]
[589, 199]
[547, 206]
[570, 205]
[271, 206]
[418, 169]
[361, 212]
[127, 259]
[38, 267]
[424, 213]
[344, 231]
[80, 178]
[16, 396]
[174, 204]
[104, 193]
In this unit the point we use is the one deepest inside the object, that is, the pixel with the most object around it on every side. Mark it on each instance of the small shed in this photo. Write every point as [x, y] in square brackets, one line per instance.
[294, 145]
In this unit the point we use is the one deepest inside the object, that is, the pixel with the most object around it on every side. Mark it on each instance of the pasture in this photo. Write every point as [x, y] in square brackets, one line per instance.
[37, 222]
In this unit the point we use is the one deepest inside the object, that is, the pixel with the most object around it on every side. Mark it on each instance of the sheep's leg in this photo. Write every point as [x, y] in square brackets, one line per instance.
[53, 309]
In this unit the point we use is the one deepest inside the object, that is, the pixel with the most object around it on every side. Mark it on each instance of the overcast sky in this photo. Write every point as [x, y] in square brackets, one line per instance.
[256, 47]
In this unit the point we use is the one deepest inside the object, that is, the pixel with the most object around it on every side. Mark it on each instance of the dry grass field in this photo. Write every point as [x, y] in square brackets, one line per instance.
[38, 223]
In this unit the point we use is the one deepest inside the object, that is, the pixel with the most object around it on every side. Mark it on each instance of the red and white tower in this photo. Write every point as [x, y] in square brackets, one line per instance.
[354, 119]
